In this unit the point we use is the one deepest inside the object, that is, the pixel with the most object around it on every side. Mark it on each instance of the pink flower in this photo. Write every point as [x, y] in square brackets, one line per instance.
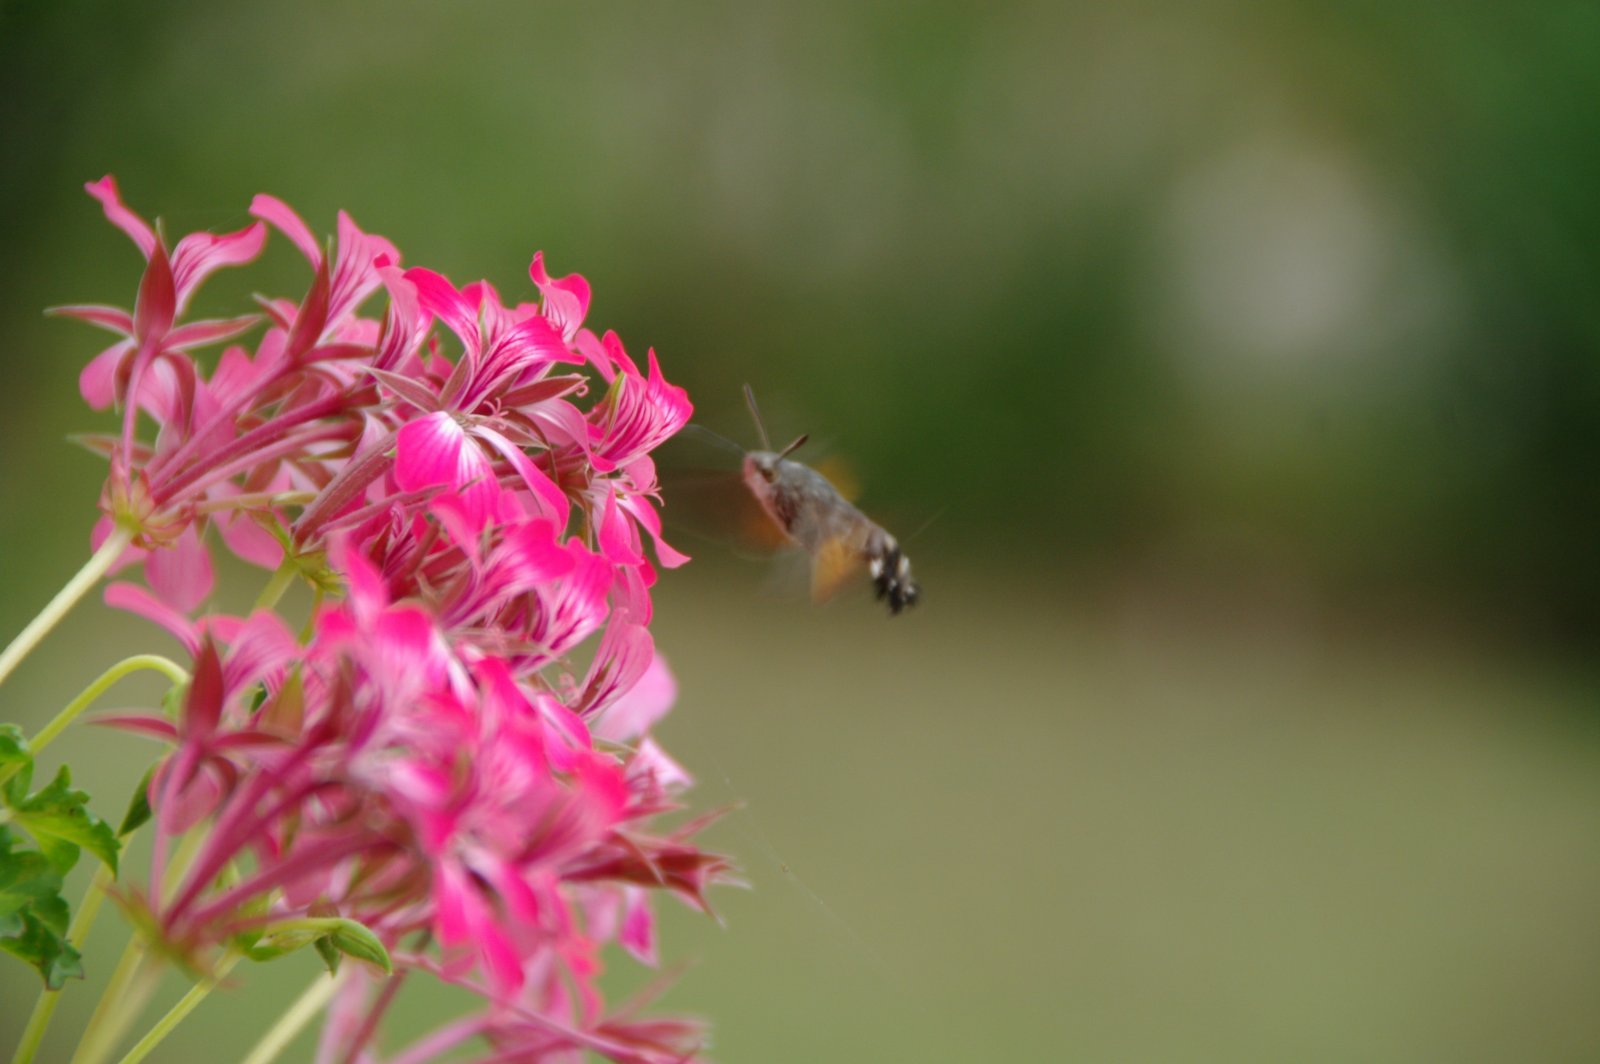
[423, 759]
[638, 414]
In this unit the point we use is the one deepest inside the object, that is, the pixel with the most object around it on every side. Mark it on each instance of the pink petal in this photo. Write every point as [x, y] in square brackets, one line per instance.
[437, 296]
[354, 275]
[434, 450]
[261, 647]
[566, 299]
[618, 541]
[637, 709]
[136, 599]
[115, 319]
[181, 574]
[552, 499]
[203, 333]
[405, 323]
[199, 255]
[533, 549]
[279, 214]
[638, 935]
[105, 190]
[98, 381]
[663, 771]
[645, 514]
[247, 540]
[625, 652]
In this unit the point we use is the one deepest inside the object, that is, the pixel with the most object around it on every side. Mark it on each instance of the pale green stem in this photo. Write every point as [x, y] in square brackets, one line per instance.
[45, 1007]
[292, 1022]
[167, 667]
[175, 1016]
[96, 567]
[154, 662]
[281, 578]
[130, 987]
[124, 998]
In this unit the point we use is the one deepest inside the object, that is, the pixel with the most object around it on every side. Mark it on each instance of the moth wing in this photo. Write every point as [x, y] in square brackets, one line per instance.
[835, 561]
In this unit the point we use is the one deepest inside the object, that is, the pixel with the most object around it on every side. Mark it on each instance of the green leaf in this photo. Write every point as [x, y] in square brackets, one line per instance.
[46, 949]
[59, 820]
[355, 940]
[138, 806]
[13, 747]
[26, 878]
[33, 916]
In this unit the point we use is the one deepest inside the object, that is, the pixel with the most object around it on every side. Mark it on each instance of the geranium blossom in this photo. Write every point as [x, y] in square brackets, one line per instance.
[427, 758]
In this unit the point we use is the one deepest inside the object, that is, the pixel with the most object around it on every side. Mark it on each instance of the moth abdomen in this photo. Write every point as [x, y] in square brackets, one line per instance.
[891, 574]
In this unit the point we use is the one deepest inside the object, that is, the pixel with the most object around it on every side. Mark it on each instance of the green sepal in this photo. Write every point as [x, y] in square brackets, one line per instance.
[329, 953]
[138, 813]
[356, 940]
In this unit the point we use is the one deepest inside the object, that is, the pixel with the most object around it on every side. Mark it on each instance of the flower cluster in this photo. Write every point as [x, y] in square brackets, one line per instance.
[427, 758]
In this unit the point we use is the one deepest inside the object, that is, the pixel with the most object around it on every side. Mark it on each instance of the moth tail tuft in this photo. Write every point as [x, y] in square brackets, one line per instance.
[892, 579]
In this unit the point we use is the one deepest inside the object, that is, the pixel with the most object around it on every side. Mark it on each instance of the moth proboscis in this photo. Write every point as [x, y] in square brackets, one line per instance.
[812, 514]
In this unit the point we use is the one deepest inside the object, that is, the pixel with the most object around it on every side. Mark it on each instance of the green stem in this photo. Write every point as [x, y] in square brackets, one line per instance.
[45, 1006]
[154, 662]
[293, 1021]
[167, 667]
[281, 578]
[130, 987]
[96, 567]
[176, 1014]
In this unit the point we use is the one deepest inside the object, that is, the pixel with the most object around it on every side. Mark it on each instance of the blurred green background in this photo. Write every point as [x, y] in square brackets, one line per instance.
[1230, 367]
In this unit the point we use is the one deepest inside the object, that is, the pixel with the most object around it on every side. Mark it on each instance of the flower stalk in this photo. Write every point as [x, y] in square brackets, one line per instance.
[82, 581]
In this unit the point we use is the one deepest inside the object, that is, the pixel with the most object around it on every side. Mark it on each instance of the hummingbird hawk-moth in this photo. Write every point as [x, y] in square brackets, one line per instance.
[812, 514]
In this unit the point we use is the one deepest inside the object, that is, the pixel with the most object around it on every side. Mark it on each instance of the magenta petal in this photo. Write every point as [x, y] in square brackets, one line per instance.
[115, 319]
[202, 333]
[105, 190]
[280, 215]
[181, 575]
[566, 299]
[98, 381]
[248, 541]
[437, 296]
[435, 450]
[459, 523]
[199, 255]
[452, 896]
[625, 652]
[428, 452]
[646, 515]
[617, 539]
[638, 935]
[136, 599]
[637, 709]
[537, 556]
[548, 492]
[261, 647]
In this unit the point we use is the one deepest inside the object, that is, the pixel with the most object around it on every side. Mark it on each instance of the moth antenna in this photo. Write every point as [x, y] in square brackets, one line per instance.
[795, 446]
[755, 413]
